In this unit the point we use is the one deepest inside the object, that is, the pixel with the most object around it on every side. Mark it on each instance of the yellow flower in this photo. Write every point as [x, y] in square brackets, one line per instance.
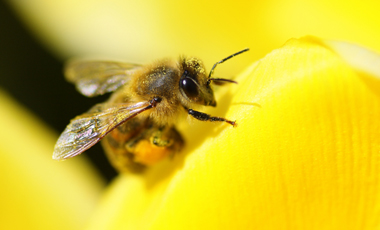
[305, 154]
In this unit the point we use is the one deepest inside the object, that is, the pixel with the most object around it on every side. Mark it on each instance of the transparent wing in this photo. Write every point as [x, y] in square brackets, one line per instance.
[94, 78]
[89, 128]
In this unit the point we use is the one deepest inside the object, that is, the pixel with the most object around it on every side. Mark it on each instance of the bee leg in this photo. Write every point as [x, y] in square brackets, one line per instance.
[120, 143]
[206, 117]
[156, 136]
[154, 144]
[119, 156]
[167, 137]
[161, 138]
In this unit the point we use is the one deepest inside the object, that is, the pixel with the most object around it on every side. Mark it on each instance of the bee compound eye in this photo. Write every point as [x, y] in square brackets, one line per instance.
[189, 87]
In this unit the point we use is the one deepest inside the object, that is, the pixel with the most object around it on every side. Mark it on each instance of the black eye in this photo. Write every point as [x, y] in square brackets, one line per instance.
[189, 87]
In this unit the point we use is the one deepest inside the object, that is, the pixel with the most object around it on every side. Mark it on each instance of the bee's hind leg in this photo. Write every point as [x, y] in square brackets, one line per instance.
[168, 138]
[154, 144]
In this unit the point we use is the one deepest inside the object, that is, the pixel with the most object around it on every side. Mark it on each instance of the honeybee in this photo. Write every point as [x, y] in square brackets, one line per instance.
[137, 124]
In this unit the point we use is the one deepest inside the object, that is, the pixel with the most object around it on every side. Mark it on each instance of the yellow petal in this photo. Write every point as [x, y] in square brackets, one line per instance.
[36, 191]
[304, 156]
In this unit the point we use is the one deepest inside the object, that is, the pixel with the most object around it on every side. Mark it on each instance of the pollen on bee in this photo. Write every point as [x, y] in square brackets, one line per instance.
[148, 154]
[195, 63]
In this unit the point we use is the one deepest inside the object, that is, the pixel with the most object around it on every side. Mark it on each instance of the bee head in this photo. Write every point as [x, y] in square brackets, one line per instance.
[193, 84]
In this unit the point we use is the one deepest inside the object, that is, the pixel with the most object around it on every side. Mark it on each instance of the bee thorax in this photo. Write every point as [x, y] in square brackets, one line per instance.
[165, 113]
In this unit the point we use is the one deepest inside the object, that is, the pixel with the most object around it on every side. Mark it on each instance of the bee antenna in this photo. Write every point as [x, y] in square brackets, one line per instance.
[220, 81]
[223, 60]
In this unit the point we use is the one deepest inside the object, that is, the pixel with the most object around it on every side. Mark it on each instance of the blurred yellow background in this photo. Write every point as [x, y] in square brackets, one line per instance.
[141, 31]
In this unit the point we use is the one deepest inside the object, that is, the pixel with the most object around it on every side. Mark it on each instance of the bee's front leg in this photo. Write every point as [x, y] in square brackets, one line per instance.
[205, 117]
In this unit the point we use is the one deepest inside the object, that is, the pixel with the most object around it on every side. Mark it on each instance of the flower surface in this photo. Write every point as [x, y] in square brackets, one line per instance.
[305, 153]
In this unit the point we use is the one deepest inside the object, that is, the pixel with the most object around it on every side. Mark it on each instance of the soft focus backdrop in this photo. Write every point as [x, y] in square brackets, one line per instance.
[37, 36]
[281, 115]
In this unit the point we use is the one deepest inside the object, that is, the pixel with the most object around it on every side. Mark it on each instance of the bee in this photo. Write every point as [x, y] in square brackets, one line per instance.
[137, 124]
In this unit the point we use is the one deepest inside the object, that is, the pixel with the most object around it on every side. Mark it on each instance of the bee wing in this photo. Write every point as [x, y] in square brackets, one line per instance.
[89, 128]
[93, 78]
